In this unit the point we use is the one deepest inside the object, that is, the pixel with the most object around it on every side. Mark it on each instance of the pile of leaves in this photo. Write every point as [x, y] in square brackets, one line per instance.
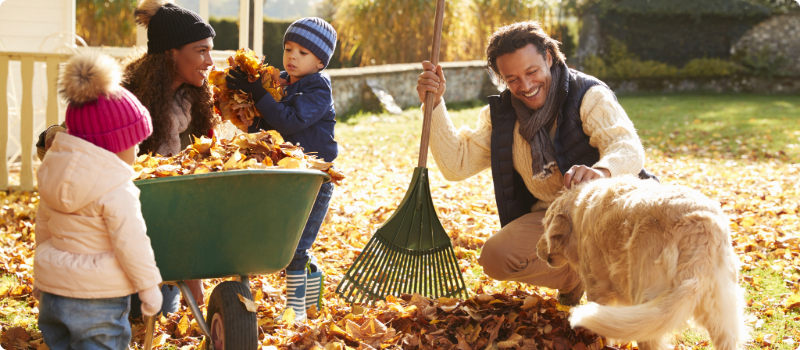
[262, 150]
[511, 320]
[761, 197]
[237, 105]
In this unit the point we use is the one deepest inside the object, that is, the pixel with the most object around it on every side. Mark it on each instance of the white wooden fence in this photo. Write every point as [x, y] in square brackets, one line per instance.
[26, 137]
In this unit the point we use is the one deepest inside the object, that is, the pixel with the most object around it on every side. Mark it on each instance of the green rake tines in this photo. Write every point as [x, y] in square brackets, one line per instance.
[410, 253]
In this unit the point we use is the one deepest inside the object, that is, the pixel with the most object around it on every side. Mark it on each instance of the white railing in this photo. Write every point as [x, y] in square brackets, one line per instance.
[26, 137]
[25, 113]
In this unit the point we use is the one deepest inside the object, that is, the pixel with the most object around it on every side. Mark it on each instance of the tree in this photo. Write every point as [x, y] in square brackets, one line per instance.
[400, 31]
[106, 22]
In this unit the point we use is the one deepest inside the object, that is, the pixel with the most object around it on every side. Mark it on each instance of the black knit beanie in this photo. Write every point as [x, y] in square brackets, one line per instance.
[172, 26]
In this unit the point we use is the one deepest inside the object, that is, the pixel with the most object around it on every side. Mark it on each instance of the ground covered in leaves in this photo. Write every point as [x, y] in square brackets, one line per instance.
[746, 161]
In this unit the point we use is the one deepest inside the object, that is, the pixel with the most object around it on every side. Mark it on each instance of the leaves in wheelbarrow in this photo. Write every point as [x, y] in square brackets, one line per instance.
[262, 150]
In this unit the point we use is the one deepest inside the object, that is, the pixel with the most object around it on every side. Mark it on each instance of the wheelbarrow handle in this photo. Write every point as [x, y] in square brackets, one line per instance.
[426, 121]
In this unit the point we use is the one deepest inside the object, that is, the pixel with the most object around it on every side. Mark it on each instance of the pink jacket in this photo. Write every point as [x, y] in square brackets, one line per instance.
[91, 239]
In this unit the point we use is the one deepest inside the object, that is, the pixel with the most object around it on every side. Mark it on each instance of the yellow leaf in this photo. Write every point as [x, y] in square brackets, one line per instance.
[160, 339]
[248, 304]
[288, 316]
[292, 163]
[793, 301]
[183, 328]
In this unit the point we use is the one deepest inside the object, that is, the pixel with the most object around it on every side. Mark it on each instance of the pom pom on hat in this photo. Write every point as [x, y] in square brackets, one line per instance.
[89, 75]
[147, 9]
[100, 110]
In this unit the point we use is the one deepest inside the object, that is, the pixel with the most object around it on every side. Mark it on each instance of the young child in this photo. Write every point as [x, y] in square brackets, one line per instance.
[304, 116]
[92, 251]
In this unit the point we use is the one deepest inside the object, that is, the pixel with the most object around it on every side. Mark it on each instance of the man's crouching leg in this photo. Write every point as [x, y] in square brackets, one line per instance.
[510, 255]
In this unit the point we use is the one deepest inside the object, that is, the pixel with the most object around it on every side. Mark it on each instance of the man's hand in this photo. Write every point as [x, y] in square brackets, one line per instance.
[238, 81]
[582, 173]
[431, 80]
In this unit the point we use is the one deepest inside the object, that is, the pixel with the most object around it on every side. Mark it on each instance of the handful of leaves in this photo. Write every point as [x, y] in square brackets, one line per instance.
[263, 150]
[234, 104]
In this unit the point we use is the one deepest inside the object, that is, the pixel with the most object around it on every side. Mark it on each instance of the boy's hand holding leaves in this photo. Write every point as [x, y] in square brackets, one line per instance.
[237, 80]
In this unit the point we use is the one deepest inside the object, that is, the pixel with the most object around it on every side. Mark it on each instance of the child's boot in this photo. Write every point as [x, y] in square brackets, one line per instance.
[296, 293]
[316, 283]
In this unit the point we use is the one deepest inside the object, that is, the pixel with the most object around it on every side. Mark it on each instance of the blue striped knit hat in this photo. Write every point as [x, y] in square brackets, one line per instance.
[314, 34]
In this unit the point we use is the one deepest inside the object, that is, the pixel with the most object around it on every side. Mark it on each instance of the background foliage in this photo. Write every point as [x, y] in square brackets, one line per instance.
[106, 22]
[400, 31]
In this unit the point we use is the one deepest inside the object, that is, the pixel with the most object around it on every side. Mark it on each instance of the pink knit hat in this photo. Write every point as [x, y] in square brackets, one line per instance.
[100, 110]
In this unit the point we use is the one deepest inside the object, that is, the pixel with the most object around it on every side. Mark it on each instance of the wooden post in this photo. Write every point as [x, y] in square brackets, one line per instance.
[26, 125]
[3, 122]
[258, 27]
[204, 10]
[52, 91]
[244, 23]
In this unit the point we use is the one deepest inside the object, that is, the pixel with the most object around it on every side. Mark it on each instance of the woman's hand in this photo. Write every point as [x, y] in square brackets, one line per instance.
[238, 81]
[196, 286]
[582, 173]
[431, 80]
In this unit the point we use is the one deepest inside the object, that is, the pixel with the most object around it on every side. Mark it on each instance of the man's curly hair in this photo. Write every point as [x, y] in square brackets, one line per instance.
[149, 77]
[513, 37]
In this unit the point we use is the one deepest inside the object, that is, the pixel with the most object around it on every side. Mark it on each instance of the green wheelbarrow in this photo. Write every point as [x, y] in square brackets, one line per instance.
[235, 223]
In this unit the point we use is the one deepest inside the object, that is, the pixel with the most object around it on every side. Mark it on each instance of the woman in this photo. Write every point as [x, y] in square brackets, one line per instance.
[170, 79]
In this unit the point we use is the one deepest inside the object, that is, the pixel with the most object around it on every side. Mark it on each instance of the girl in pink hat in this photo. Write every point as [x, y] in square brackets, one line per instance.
[92, 250]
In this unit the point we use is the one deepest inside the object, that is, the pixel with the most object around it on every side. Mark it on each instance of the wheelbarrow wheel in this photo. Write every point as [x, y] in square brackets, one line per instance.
[232, 326]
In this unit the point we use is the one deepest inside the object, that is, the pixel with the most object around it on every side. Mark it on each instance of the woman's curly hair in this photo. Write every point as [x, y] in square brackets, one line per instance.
[149, 77]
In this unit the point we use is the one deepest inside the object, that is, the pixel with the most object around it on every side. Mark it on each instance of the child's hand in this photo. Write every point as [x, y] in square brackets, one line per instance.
[36, 294]
[238, 81]
[151, 300]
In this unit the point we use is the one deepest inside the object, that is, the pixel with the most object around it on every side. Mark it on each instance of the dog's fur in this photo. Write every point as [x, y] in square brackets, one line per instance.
[651, 257]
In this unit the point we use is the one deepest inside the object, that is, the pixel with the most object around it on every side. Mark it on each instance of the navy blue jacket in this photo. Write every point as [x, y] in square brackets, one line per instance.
[304, 116]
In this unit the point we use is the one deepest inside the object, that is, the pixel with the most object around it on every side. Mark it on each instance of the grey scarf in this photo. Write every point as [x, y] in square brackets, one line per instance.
[534, 125]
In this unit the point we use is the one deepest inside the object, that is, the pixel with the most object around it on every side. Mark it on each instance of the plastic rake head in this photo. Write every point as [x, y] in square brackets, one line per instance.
[409, 253]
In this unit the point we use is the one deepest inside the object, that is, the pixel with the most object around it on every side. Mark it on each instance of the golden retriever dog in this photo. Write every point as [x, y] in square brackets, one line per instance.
[651, 257]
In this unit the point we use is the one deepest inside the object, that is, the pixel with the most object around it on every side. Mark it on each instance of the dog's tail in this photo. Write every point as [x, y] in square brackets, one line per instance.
[641, 322]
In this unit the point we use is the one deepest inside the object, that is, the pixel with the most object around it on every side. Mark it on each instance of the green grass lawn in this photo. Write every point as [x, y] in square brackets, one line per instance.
[702, 125]
[718, 126]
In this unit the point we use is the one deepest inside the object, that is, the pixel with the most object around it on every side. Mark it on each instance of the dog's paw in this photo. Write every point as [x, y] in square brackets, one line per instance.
[578, 313]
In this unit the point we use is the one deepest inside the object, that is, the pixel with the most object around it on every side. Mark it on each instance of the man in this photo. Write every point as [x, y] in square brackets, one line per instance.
[552, 128]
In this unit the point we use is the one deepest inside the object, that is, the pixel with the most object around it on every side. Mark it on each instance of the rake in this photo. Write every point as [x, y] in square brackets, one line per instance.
[410, 252]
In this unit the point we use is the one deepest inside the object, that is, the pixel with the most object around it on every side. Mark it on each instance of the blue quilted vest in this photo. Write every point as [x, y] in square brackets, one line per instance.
[571, 145]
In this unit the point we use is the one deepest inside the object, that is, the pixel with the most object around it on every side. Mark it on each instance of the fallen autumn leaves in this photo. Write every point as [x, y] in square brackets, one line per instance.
[760, 197]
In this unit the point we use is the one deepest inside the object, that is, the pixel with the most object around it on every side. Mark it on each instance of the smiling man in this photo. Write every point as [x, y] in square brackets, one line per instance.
[552, 128]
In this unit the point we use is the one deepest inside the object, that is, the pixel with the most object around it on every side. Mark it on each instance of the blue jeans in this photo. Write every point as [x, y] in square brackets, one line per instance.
[302, 254]
[85, 324]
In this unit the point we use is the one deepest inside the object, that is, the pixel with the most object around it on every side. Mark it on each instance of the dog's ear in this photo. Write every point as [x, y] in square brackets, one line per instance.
[551, 246]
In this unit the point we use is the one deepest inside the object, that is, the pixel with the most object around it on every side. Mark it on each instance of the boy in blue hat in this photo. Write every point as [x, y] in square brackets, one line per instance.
[304, 116]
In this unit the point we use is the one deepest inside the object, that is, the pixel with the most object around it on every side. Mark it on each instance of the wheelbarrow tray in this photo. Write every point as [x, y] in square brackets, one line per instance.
[232, 223]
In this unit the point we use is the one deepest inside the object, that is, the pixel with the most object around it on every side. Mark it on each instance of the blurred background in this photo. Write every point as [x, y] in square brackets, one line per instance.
[607, 38]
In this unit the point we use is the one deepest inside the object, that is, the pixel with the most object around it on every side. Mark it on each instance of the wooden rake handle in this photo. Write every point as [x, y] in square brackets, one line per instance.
[426, 121]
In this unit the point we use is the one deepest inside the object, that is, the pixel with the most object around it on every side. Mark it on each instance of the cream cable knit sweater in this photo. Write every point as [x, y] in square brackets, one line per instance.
[462, 153]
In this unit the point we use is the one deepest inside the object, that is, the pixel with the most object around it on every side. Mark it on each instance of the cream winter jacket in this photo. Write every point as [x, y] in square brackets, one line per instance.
[462, 153]
[91, 239]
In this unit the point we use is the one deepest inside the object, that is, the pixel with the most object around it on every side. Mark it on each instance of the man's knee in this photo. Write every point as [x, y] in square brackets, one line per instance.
[497, 263]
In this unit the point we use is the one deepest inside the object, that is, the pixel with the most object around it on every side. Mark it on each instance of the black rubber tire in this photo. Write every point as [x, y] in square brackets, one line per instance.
[240, 325]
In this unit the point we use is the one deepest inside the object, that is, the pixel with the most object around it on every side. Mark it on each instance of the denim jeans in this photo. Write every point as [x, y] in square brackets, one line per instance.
[85, 324]
[302, 254]
[170, 304]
